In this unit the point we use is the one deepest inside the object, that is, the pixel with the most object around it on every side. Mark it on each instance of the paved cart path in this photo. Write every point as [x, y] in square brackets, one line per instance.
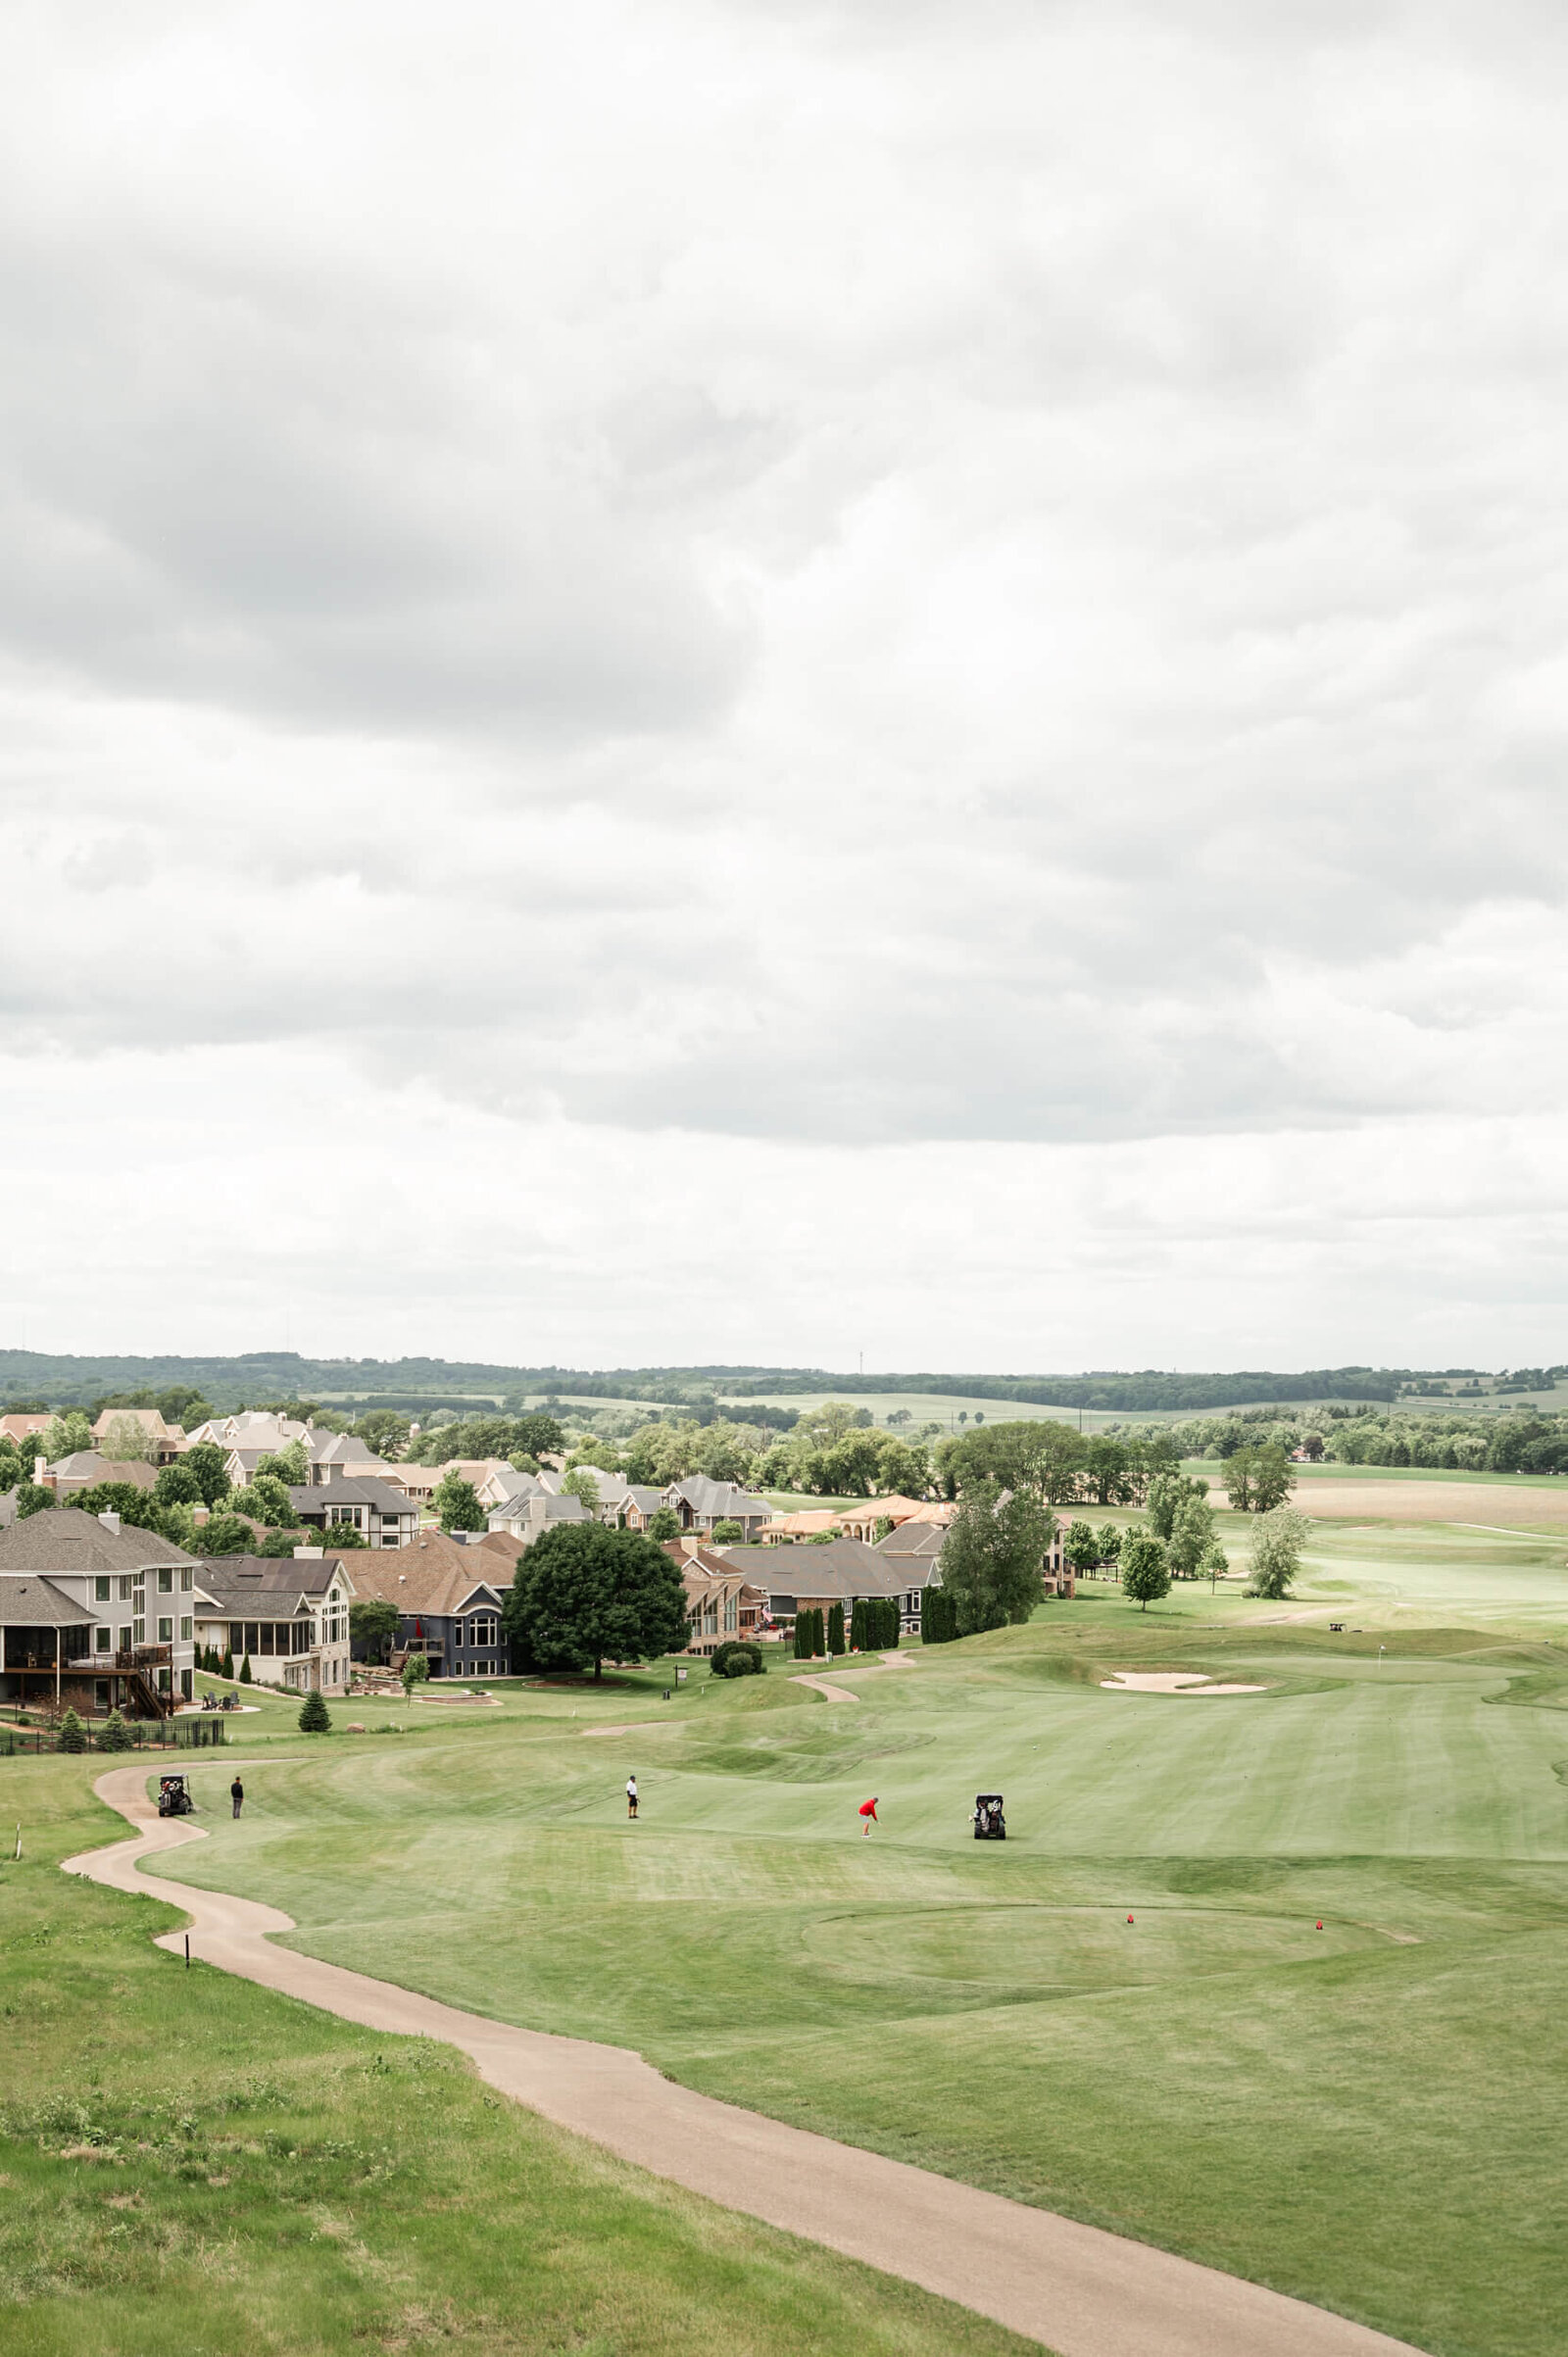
[1082, 2292]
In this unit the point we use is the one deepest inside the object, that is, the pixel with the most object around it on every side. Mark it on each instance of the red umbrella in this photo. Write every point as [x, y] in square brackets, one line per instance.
[419, 1628]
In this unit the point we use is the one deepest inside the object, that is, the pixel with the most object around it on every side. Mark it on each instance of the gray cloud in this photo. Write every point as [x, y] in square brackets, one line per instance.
[806, 576]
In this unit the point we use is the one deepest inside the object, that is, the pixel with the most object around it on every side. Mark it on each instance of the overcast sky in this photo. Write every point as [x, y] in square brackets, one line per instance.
[745, 681]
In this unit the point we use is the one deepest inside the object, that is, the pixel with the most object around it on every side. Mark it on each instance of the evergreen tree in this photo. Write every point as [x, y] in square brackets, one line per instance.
[117, 1735]
[315, 1717]
[229, 1663]
[835, 1629]
[245, 1671]
[939, 1621]
[73, 1734]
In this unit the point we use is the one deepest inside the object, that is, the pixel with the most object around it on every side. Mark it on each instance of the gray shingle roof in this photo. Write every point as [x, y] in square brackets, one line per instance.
[67, 1540]
[922, 1541]
[844, 1568]
[29, 1603]
[306, 1497]
[236, 1583]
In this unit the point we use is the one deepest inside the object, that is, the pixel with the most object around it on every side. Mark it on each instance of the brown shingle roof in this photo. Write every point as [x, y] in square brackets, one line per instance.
[434, 1573]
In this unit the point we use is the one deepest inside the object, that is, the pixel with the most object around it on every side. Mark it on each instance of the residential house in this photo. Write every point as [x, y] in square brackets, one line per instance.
[787, 1529]
[526, 1519]
[251, 1428]
[416, 1481]
[504, 1483]
[701, 1502]
[918, 1542]
[333, 1456]
[162, 1441]
[288, 1615]
[84, 1469]
[795, 1579]
[23, 1426]
[865, 1519]
[638, 1505]
[382, 1515]
[126, 1641]
[448, 1597]
[722, 1602]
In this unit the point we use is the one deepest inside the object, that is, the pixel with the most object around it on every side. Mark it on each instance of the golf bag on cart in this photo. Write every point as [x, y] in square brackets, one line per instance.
[990, 1825]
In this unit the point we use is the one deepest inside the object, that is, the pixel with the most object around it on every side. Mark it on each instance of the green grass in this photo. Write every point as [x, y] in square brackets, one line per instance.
[188, 2162]
[1365, 2116]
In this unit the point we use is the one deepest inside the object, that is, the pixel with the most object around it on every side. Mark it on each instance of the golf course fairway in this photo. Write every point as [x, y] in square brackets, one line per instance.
[1127, 2013]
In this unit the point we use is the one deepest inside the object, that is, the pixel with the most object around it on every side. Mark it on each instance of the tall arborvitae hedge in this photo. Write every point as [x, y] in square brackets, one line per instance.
[939, 1617]
[876, 1623]
[809, 1637]
[835, 1629]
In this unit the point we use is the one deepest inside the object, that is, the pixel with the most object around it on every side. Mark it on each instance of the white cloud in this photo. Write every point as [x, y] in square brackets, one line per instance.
[776, 592]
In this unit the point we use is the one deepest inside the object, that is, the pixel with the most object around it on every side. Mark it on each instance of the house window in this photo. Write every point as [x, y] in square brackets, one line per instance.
[101, 1641]
[138, 1632]
[100, 1588]
[125, 1637]
[165, 1581]
[187, 1579]
[166, 1632]
[125, 1588]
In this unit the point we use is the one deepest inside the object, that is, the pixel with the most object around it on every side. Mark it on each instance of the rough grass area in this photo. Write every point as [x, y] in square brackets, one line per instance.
[189, 2163]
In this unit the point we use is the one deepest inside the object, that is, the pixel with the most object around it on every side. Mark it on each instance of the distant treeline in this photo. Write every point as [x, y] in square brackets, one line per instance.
[420, 1386]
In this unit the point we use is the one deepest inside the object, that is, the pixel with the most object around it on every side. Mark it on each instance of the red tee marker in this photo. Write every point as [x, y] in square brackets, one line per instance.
[1320, 1926]
[1129, 1919]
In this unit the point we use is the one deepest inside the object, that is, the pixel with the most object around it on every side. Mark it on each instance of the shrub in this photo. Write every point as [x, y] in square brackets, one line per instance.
[416, 1670]
[737, 1657]
[227, 1668]
[117, 1735]
[835, 1629]
[73, 1734]
[728, 1532]
[245, 1671]
[315, 1717]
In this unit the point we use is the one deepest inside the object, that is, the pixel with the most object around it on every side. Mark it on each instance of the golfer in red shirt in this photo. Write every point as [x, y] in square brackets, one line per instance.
[868, 1812]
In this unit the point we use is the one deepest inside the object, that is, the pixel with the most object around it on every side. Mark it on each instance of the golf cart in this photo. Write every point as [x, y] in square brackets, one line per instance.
[990, 1825]
[174, 1796]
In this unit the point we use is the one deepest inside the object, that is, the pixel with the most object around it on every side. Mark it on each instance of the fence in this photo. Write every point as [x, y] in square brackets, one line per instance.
[157, 1734]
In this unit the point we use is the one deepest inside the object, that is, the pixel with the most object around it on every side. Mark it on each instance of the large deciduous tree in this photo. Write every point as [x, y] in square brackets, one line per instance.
[176, 1485]
[206, 1461]
[456, 1501]
[1274, 1556]
[1257, 1480]
[1190, 1536]
[582, 1594]
[993, 1555]
[373, 1622]
[1145, 1572]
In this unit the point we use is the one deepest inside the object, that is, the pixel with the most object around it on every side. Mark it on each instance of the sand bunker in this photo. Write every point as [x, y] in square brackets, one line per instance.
[1173, 1682]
